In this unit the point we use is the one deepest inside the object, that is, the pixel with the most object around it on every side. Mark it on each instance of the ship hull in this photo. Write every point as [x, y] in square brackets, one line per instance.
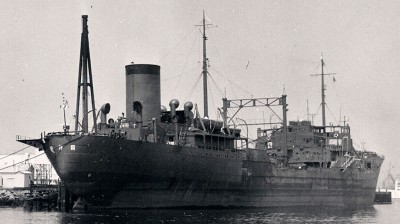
[120, 173]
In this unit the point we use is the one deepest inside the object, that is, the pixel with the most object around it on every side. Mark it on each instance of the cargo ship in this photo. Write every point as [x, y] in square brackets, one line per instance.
[154, 157]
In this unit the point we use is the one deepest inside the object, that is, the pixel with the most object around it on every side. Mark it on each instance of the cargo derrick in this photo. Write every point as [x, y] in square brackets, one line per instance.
[85, 81]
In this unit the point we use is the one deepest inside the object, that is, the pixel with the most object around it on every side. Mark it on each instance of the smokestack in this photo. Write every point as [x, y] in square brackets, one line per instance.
[143, 98]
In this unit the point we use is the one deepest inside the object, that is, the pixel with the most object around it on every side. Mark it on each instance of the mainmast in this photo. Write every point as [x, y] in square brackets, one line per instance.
[85, 69]
[323, 104]
[205, 72]
[323, 92]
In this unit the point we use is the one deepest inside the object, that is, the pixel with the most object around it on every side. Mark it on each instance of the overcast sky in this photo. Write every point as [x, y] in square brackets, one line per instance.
[256, 49]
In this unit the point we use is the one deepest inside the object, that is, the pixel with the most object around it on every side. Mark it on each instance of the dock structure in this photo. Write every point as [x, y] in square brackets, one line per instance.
[64, 199]
[51, 197]
[383, 197]
[41, 197]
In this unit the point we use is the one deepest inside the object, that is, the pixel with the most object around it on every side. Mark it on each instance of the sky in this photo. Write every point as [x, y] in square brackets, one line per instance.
[255, 49]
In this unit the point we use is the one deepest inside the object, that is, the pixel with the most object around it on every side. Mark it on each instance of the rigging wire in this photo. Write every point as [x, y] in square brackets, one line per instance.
[317, 109]
[22, 161]
[238, 86]
[184, 65]
[15, 152]
[212, 98]
[338, 98]
[305, 115]
[60, 146]
[178, 76]
[70, 119]
[213, 40]
[176, 46]
[216, 86]
[331, 113]
[193, 88]
[223, 67]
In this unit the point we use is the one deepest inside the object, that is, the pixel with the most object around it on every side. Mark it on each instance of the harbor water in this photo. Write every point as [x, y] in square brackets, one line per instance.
[379, 213]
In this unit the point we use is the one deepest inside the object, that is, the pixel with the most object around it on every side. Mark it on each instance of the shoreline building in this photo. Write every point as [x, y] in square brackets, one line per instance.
[19, 170]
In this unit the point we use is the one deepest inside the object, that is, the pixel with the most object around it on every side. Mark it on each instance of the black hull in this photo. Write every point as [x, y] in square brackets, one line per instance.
[122, 173]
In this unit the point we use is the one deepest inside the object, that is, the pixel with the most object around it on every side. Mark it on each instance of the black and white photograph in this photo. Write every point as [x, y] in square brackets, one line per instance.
[230, 111]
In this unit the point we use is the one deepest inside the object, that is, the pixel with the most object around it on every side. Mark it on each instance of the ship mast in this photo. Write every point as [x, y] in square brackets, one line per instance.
[323, 104]
[205, 72]
[323, 92]
[85, 69]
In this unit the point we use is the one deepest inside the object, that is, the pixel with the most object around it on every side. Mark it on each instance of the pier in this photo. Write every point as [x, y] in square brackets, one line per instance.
[383, 197]
[41, 197]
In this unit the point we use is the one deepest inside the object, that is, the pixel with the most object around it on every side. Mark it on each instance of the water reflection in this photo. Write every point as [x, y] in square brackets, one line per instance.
[276, 215]
[375, 214]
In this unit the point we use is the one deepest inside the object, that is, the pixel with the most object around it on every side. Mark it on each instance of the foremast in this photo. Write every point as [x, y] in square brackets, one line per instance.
[240, 103]
[85, 82]
[205, 71]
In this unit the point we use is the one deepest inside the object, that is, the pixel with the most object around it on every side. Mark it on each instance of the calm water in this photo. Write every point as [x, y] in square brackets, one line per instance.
[376, 214]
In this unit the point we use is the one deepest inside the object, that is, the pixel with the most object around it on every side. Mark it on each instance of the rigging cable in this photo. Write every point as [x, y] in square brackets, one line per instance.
[317, 109]
[216, 86]
[184, 65]
[60, 146]
[305, 115]
[331, 113]
[178, 76]
[223, 67]
[338, 99]
[21, 161]
[193, 88]
[238, 86]
[176, 46]
[218, 54]
[212, 98]
[15, 152]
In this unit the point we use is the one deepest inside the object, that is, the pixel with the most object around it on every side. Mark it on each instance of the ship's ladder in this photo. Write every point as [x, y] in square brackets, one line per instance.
[347, 163]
